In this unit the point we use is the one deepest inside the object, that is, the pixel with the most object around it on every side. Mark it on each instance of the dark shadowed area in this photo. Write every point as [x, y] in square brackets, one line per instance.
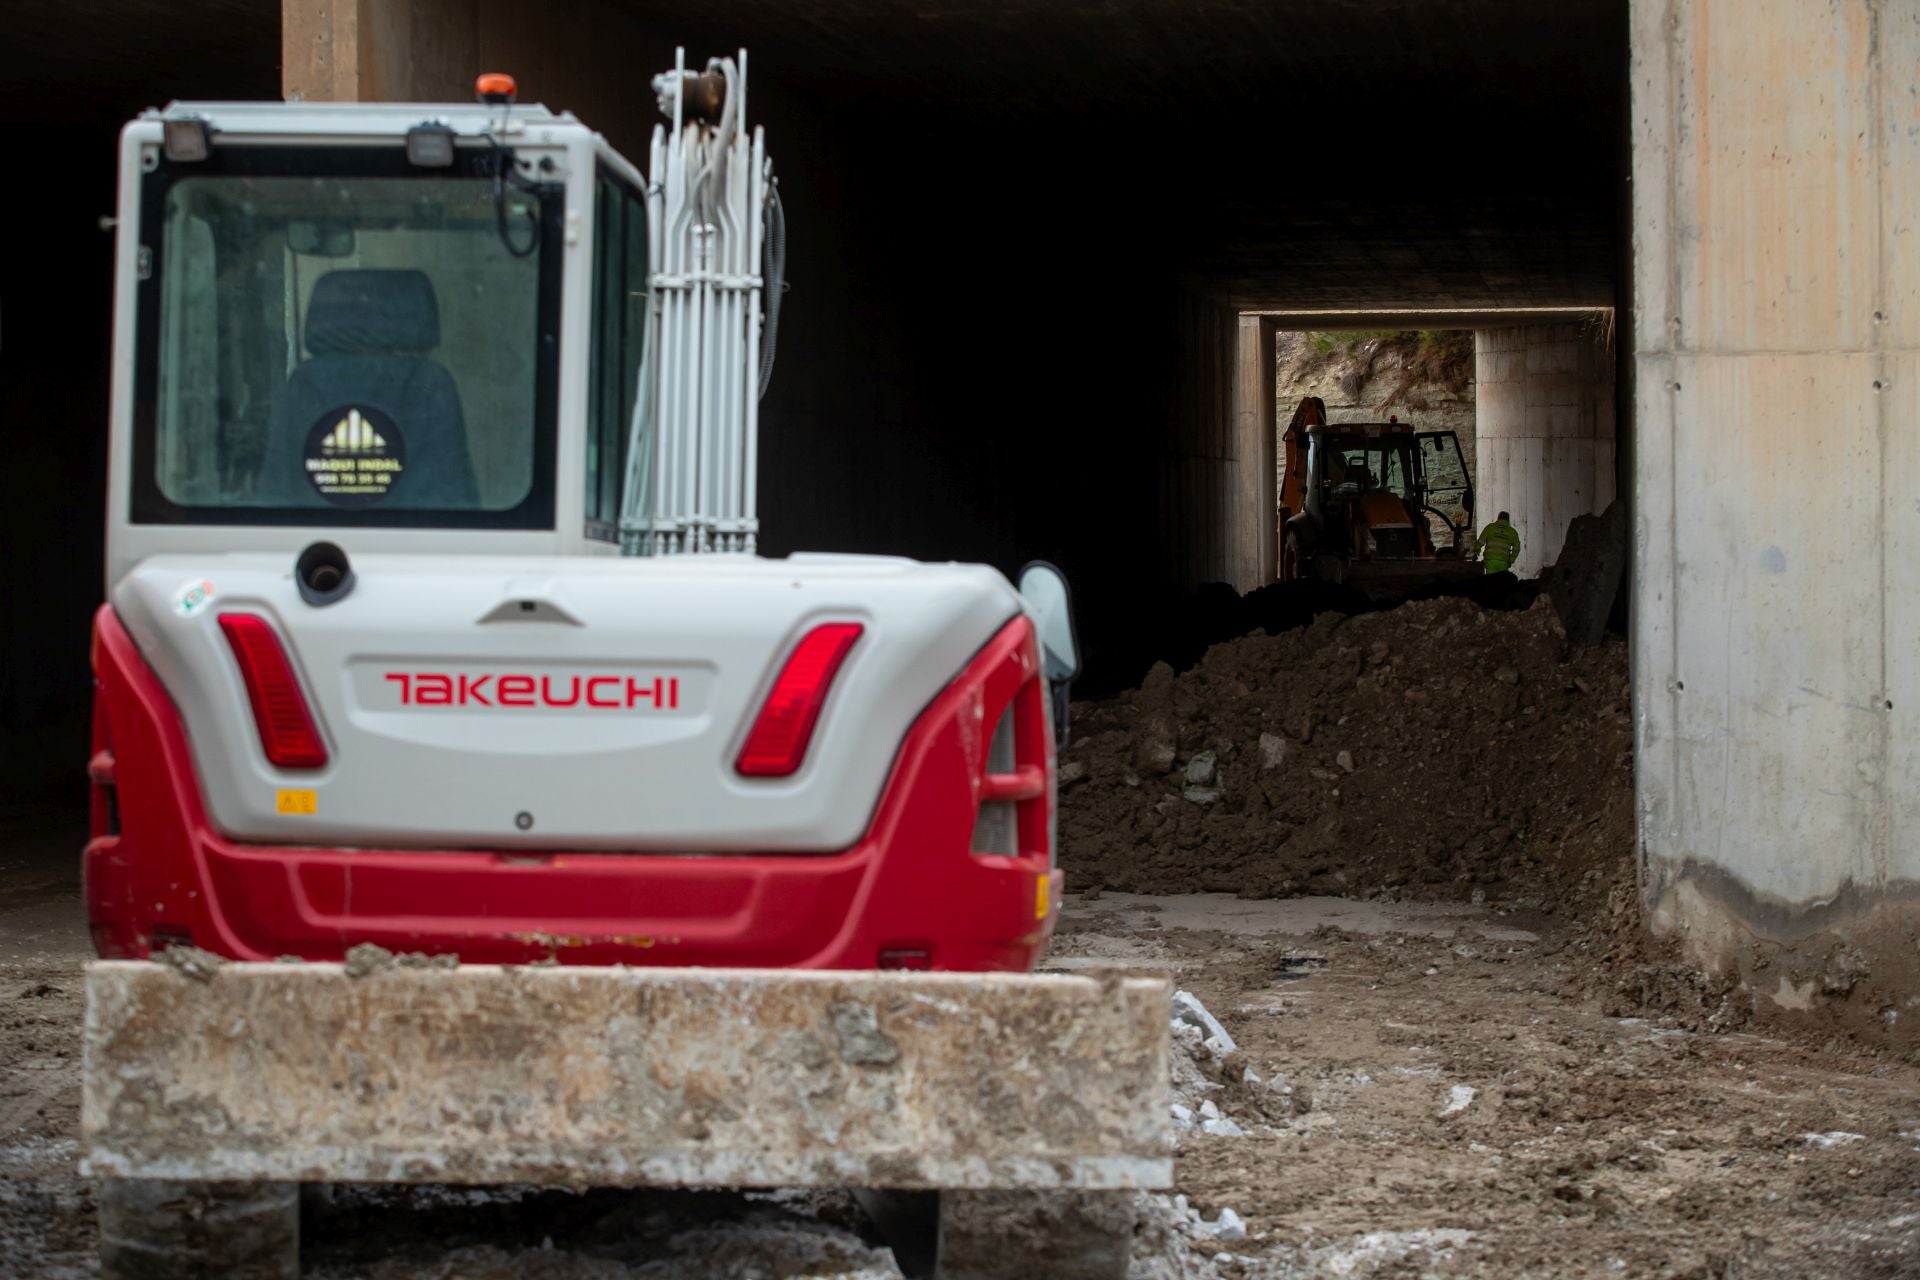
[1019, 238]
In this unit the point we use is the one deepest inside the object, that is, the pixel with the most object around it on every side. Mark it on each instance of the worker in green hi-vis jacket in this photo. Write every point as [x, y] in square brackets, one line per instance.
[1499, 545]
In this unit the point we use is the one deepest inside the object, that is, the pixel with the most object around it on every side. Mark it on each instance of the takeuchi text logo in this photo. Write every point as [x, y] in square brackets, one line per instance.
[524, 689]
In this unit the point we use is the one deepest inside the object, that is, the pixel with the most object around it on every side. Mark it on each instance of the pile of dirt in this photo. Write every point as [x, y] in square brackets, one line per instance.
[1181, 631]
[1437, 750]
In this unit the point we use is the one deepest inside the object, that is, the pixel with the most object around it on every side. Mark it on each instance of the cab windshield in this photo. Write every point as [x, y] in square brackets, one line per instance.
[339, 338]
[1371, 464]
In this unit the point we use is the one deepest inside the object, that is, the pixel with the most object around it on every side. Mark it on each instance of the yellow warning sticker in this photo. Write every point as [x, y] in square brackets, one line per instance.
[1042, 895]
[296, 802]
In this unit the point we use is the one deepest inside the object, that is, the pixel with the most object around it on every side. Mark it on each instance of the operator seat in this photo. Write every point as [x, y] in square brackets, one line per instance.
[369, 334]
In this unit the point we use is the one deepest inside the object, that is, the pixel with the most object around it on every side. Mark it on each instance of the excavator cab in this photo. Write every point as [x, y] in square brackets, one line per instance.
[365, 320]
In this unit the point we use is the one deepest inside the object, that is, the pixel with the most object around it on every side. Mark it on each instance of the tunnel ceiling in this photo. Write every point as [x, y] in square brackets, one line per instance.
[1041, 58]
[1341, 154]
[102, 60]
[1337, 154]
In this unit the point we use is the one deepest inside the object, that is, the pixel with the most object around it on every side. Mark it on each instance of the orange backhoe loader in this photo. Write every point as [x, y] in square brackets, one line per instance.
[1375, 505]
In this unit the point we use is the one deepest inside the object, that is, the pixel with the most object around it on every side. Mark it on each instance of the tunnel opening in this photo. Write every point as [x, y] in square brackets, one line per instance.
[1517, 412]
[1463, 737]
[1375, 457]
[1411, 451]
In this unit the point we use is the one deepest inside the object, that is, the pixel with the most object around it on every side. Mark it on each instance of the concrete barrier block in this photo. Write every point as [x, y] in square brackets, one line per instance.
[483, 1074]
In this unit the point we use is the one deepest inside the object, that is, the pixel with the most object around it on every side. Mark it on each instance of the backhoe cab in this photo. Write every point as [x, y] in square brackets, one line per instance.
[1376, 505]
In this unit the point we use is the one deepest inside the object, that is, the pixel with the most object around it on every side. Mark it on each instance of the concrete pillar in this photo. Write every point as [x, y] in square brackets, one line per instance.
[1544, 431]
[1198, 473]
[322, 55]
[1777, 497]
[1255, 548]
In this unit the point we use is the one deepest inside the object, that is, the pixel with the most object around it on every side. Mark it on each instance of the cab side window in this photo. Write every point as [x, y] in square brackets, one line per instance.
[619, 325]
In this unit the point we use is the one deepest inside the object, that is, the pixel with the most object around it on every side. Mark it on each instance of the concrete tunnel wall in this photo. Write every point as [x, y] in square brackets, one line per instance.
[1544, 430]
[1777, 484]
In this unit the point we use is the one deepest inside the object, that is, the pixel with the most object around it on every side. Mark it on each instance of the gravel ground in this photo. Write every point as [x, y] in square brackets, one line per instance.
[1438, 1096]
[1433, 1090]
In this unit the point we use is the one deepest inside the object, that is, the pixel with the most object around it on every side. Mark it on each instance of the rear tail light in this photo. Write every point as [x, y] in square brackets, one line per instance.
[287, 732]
[778, 742]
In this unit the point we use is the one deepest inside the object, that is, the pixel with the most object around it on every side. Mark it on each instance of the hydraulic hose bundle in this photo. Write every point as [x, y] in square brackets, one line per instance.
[717, 262]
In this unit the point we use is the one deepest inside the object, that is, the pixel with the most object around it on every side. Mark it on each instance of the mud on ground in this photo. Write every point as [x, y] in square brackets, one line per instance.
[1440, 1094]
[1578, 1142]
[46, 1208]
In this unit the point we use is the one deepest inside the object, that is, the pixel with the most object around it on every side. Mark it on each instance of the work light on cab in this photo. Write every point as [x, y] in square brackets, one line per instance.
[186, 140]
[430, 145]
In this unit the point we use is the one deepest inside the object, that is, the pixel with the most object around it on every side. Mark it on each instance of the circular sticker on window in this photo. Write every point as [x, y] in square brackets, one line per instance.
[354, 455]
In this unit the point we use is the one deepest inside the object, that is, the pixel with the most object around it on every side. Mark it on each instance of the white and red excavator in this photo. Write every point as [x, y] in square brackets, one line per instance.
[435, 628]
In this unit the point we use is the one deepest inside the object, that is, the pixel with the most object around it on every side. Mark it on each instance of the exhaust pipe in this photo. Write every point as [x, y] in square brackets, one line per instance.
[323, 574]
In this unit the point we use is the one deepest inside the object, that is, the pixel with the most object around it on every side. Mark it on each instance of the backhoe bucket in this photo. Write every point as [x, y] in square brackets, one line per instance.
[1393, 579]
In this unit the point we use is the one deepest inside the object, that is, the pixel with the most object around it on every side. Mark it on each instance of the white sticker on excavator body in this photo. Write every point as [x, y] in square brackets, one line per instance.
[193, 597]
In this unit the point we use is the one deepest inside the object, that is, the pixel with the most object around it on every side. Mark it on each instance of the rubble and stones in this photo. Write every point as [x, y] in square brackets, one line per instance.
[1203, 1061]
[190, 962]
[367, 958]
[1188, 1010]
